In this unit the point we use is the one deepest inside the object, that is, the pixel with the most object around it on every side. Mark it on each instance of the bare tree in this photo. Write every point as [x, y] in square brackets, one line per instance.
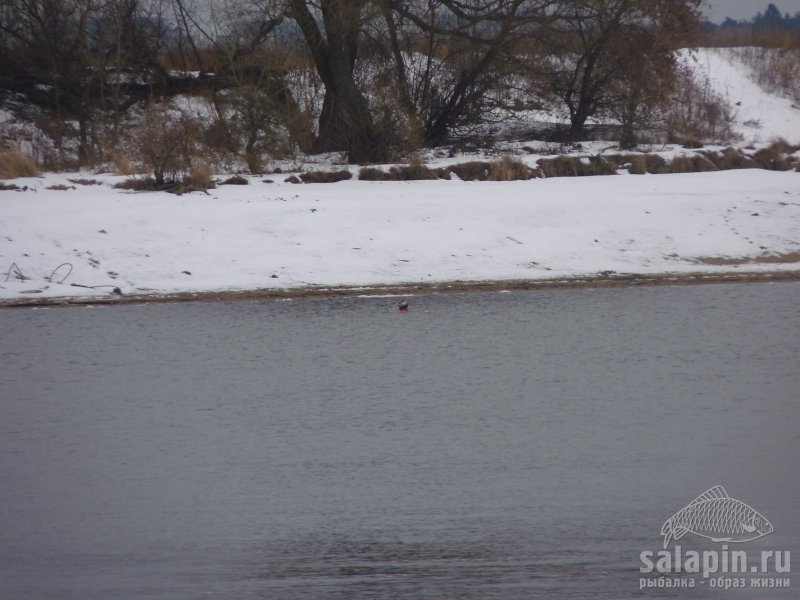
[332, 34]
[469, 50]
[600, 44]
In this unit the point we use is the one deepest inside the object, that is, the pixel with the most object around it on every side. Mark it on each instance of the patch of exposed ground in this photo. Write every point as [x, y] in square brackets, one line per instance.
[761, 259]
[606, 279]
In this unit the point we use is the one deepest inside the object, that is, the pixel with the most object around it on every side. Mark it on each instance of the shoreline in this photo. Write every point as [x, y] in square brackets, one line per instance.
[617, 280]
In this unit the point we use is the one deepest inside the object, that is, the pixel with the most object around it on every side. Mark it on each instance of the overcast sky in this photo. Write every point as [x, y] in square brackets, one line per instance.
[746, 9]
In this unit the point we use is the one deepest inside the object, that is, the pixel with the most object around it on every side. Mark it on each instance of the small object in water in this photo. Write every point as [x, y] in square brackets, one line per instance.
[117, 291]
[403, 306]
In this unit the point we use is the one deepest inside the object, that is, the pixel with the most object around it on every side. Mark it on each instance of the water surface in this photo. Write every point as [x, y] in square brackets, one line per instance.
[481, 446]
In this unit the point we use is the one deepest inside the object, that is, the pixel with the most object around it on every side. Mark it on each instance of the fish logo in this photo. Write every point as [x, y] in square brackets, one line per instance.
[718, 517]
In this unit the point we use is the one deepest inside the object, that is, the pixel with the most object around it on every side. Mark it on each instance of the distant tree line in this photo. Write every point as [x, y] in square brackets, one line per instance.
[371, 78]
[770, 28]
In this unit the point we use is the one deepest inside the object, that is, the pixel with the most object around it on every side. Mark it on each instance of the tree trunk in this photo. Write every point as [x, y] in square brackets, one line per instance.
[345, 122]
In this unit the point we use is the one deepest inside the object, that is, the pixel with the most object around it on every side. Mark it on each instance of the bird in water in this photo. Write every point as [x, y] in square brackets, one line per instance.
[403, 306]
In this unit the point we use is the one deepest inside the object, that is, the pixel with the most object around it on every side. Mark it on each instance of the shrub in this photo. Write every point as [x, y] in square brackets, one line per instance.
[121, 163]
[14, 164]
[774, 157]
[777, 70]
[60, 187]
[471, 171]
[85, 181]
[698, 113]
[691, 164]
[561, 166]
[731, 158]
[139, 184]
[637, 163]
[198, 179]
[509, 168]
[325, 176]
[413, 172]
[574, 166]
[292, 179]
[168, 143]
[7, 187]
[235, 180]
[374, 174]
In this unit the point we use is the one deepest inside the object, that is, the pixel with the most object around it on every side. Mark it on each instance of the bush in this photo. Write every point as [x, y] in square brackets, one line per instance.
[325, 176]
[731, 158]
[168, 143]
[509, 168]
[139, 184]
[235, 180]
[574, 166]
[121, 163]
[471, 171]
[415, 172]
[14, 164]
[691, 164]
[374, 174]
[198, 179]
[636, 163]
[85, 181]
[698, 113]
[774, 157]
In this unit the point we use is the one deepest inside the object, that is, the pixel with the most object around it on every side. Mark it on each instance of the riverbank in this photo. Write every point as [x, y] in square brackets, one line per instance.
[414, 289]
[282, 240]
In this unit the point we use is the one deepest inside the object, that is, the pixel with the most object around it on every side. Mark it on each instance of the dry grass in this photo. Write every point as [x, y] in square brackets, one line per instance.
[698, 113]
[414, 171]
[139, 184]
[374, 174]
[691, 164]
[509, 168]
[731, 158]
[235, 180]
[639, 164]
[761, 259]
[198, 179]
[325, 176]
[475, 170]
[122, 164]
[777, 70]
[776, 157]
[574, 166]
[14, 163]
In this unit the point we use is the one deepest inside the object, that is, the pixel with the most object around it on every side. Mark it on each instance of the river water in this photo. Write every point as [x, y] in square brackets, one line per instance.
[503, 445]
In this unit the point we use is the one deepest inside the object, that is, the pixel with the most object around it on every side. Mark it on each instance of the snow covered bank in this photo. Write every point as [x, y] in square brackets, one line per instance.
[279, 235]
[759, 116]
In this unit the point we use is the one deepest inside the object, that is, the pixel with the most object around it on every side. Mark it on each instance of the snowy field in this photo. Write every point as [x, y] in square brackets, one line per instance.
[90, 239]
[365, 233]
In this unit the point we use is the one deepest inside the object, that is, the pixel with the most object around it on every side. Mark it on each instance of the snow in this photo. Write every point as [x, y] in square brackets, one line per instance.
[359, 233]
[760, 116]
